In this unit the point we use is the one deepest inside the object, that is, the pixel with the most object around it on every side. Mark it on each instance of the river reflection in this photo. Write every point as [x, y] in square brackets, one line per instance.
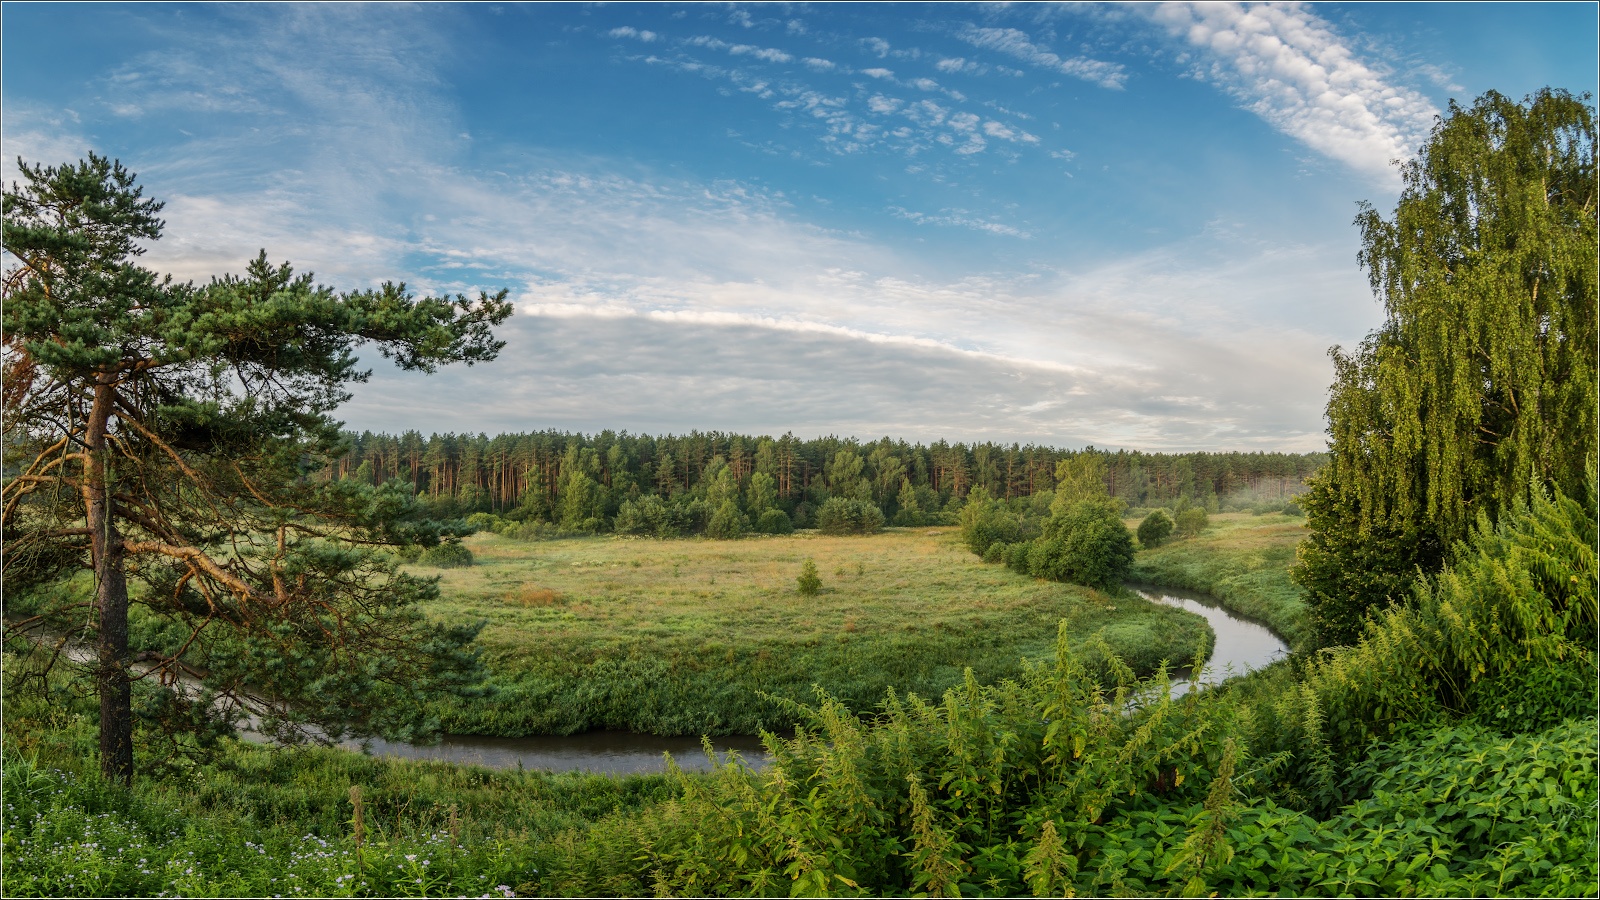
[610, 752]
[1242, 645]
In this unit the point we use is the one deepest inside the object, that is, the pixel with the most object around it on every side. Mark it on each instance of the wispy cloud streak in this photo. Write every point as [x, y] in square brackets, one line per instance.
[1285, 64]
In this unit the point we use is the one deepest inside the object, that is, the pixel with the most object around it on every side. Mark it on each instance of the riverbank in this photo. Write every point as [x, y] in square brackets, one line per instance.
[1243, 561]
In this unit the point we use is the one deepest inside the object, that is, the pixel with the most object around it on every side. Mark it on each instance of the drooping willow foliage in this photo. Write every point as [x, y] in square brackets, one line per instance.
[1481, 380]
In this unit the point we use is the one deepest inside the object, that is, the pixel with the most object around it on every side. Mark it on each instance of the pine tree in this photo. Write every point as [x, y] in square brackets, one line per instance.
[173, 435]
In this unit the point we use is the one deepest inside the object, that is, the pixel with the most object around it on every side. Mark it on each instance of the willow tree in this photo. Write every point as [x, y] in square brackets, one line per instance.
[171, 436]
[1481, 380]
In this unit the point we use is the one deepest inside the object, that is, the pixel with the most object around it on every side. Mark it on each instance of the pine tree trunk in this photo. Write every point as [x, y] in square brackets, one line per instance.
[111, 600]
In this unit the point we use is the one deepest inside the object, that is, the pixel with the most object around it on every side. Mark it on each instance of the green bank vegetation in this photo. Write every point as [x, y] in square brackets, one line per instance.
[1360, 772]
[1241, 559]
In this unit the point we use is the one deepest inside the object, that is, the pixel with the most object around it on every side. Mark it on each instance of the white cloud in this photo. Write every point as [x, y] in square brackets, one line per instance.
[1290, 68]
[882, 105]
[820, 65]
[764, 53]
[958, 64]
[959, 217]
[878, 73]
[629, 31]
[1016, 43]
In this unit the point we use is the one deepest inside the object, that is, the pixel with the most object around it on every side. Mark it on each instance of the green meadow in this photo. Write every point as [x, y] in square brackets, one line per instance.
[713, 637]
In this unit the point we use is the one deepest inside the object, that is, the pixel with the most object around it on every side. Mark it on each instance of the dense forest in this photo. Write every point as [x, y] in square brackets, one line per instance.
[581, 482]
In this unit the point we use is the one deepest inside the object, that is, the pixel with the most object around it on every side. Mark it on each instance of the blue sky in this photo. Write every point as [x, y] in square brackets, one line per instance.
[1068, 224]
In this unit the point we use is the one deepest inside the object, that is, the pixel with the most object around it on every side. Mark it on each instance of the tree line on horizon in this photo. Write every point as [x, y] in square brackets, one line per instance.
[581, 482]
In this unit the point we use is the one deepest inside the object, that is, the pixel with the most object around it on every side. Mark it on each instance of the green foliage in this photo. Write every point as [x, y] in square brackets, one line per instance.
[1191, 521]
[1483, 377]
[1155, 529]
[1087, 544]
[996, 552]
[1459, 812]
[448, 555]
[207, 409]
[1017, 556]
[985, 521]
[809, 583]
[1080, 477]
[762, 494]
[727, 523]
[908, 506]
[256, 821]
[1516, 607]
[774, 521]
[839, 515]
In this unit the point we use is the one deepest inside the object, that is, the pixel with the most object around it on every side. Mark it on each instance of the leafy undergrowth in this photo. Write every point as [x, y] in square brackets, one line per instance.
[253, 821]
[1394, 767]
[1243, 560]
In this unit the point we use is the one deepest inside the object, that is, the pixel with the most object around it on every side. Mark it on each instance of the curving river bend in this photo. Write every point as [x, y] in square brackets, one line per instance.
[1241, 645]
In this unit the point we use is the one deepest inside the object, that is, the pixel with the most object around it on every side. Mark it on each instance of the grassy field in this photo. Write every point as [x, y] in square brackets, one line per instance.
[700, 636]
[1243, 560]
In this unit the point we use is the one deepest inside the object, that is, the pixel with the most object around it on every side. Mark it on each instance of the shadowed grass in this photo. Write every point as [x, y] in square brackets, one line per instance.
[699, 636]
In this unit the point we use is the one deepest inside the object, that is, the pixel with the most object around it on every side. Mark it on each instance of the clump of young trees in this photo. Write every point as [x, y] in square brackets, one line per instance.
[1082, 539]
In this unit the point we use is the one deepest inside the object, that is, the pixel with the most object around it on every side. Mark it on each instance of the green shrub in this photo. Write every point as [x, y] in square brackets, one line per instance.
[984, 521]
[1156, 528]
[996, 552]
[448, 555]
[774, 521]
[1086, 544]
[1192, 521]
[646, 515]
[482, 521]
[809, 582]
[1017, 556]
[727, 523]
[845, 516]
[1504, 635]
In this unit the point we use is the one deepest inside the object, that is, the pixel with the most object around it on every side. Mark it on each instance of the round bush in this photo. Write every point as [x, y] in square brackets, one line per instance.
[1156, 528]
[448, 555]
[774, 521]
[996, 552]
[1087, 545]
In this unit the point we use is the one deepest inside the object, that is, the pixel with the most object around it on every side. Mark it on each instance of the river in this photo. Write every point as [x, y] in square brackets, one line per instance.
[1241, 645]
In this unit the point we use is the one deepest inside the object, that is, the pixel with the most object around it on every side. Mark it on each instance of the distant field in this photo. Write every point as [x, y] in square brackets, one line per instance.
[686, 636]
[1243, 561]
